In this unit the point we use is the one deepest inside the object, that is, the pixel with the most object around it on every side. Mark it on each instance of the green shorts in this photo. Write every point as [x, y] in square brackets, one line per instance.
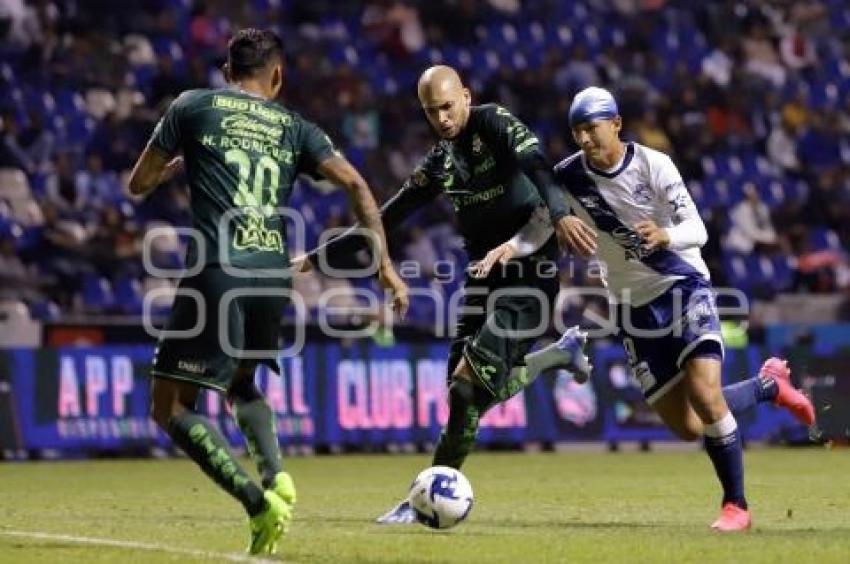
[239, 322]
[495, 341]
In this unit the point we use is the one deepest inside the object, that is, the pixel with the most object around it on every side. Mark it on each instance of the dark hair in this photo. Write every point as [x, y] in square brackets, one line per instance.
[250, 50]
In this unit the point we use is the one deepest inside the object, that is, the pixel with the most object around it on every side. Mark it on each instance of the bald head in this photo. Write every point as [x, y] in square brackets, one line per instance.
[444, 99]
[438, 79]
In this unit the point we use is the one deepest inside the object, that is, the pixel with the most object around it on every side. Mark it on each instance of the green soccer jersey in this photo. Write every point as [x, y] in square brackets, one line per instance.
[242, 154]
[481, 172]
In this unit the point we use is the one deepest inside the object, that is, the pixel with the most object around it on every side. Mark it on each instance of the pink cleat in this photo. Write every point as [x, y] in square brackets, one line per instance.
[733, 519]
[788, 397]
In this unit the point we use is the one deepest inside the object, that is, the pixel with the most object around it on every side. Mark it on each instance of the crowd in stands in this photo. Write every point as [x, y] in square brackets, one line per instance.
[750, 98]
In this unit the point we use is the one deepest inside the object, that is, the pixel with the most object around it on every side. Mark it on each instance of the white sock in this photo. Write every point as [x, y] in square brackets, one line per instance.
[723, 427]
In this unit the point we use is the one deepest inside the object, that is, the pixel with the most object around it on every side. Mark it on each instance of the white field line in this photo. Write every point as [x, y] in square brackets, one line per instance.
[229, 556]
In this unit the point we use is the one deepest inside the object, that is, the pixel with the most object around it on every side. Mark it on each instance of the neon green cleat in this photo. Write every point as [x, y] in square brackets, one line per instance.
[268, 526]
[284, 487]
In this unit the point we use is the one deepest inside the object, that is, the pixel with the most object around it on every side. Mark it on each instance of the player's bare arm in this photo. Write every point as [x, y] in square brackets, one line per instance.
[340, 172]
[501, 255]
[575, 234]
[152, 169]
[526, 241]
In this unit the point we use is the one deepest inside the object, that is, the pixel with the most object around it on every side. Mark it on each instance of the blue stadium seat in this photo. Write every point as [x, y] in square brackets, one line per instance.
[40, 101]
[69, 102]
[533, 34]
[128, 295]
[97, 293]
[564, 36]
[709, 165]
[79, 130]
[142, 76]
[797, 191]
[716, 192]
[772, 192]
[823, 239]
[735, 266]
[695, 187]
[783, 269]
[45, 310]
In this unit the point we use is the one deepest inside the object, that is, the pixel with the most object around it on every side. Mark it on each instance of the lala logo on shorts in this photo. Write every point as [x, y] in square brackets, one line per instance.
[194, 367]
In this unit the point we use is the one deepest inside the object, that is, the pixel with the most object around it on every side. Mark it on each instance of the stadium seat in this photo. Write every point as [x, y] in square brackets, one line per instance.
[40, 101]
[45, 310]
[128, 295]
[797, 191]
[695, 187]
[78, 131]
[772, 192]
[97, 293]
[823, 239]
[735, 266]
[783, 272]
[716, 192]
[69, 102]
[533, 34]
[565, 36]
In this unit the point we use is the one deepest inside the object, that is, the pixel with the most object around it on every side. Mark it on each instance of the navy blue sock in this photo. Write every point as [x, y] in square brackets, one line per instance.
[723, 445]
[746, 394]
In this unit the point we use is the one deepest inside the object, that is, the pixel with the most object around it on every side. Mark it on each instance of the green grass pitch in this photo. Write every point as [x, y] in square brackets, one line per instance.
[564, 507]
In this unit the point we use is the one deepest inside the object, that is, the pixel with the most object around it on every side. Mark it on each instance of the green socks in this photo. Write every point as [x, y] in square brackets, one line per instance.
[204, 444]
[257, 423]
[467, 404]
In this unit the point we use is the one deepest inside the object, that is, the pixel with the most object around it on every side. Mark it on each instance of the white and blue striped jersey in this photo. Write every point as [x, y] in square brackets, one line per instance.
[646, 185]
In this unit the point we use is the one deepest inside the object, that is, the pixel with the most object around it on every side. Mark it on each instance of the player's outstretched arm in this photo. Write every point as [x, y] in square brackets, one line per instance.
[152, 169]
[530, 238]
[412, 196]
[340, 172]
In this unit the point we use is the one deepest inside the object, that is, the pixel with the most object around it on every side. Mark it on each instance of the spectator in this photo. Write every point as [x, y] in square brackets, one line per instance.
[361, 122]
[114, 248]
[166, 85]
[782, 147]
[760, 56]
[12, 154]
[17, 282]
[97, 185]
[63, 190]
[649, 133]
[751, 227]
[719, 63]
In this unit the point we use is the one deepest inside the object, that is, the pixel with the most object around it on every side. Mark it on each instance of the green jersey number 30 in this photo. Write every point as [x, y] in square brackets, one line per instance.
[259, 194]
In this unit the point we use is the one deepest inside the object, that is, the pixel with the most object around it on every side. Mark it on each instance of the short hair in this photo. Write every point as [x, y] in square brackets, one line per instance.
[251, 50]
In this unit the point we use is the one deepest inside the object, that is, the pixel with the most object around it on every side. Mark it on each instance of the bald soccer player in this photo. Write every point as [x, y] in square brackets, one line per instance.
[491, 167]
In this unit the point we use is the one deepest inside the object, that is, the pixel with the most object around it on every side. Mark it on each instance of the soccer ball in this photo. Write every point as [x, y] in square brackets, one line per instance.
[441, 497]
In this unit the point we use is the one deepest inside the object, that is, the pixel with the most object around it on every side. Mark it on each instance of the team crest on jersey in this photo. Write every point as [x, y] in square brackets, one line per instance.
[642, 194]
[679, 202]
[476, 144]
